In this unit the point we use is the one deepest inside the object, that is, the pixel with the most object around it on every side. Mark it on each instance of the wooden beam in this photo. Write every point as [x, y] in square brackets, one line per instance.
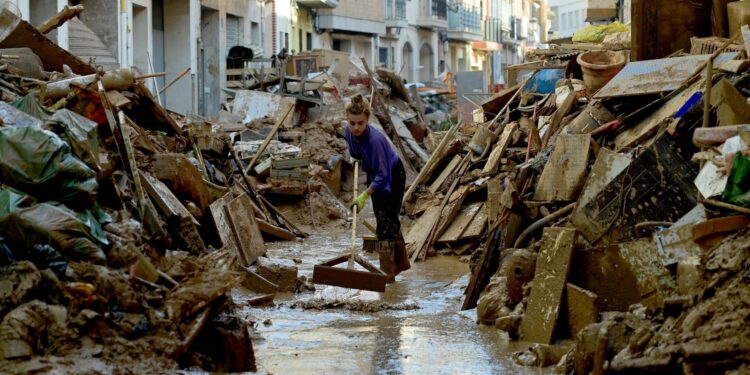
[60, 18]
[385, 118]
[275, 231]
[268, 139]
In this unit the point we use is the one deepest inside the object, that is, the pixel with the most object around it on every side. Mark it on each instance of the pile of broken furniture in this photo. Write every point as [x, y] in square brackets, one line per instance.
[614, 217]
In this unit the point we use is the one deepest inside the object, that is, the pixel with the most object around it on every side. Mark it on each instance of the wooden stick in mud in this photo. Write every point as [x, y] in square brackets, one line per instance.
[268, 139]
[432, 160]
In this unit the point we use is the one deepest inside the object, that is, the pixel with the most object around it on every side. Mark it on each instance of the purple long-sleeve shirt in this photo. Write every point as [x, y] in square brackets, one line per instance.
[377, 155]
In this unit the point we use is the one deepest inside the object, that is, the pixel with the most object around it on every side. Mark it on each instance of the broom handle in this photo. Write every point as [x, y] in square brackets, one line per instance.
[354, 217]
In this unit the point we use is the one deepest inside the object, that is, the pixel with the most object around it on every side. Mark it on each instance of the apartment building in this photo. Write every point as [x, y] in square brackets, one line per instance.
[572, 15]
[159, 36]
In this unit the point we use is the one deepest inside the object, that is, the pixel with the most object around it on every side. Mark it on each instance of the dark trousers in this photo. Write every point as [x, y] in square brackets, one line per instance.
[387, 205]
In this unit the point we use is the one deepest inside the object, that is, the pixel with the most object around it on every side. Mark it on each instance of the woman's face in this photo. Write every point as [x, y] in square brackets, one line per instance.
[357, 124]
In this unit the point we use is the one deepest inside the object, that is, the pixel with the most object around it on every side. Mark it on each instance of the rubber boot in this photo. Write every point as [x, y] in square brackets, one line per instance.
[387, 261]
[401, 255]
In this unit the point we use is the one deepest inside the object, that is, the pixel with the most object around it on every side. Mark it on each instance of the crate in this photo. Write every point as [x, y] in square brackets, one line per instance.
[290, 163]
[709, 45]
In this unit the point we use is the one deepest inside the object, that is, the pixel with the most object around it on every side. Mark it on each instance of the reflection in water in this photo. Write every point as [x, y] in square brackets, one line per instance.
[435, 339]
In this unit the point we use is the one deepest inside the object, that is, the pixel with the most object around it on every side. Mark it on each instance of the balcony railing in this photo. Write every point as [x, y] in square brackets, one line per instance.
[433, 8]
[465, 18]
[493, 30]
[395, 9]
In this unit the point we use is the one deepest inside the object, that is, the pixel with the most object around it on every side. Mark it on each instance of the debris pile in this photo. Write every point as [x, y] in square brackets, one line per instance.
[124, 226]
[605, 201]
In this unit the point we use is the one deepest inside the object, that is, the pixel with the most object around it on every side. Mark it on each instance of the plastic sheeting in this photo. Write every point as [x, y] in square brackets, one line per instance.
[78, 131]
[58, 226]
[41, 164]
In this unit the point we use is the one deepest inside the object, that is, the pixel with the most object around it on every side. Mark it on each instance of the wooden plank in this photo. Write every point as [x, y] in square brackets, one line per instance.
[502, 145]
[275, 231]
[632, 136]
[247, 234]
[117, 99]
[558, 116]
[553, 264]
[349, 278]
[165, 199]
[565, 173]
[449, 169]
[421, 228]
[268, 139]
[582, 309]
[460, 223]
[220, 220]
[451, 209]
[290, 163]
[477, 225]
[494, 207]
[437, 226]
[384, 116]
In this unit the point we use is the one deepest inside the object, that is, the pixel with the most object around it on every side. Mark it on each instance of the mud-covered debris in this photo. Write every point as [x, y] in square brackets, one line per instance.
[361, 306]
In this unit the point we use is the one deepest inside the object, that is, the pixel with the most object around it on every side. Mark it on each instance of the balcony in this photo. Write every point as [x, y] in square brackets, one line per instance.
[433, 14]
[395, 13]
[319, 3]
[354, 17]
[465, 23]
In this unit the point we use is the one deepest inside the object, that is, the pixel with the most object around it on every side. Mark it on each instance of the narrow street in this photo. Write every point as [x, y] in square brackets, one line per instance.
[419, 328]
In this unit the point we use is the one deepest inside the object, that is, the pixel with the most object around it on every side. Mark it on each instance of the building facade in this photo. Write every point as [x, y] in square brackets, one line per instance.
[419, 39]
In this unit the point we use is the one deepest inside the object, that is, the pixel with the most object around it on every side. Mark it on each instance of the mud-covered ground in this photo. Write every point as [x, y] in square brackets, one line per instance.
[414, 327]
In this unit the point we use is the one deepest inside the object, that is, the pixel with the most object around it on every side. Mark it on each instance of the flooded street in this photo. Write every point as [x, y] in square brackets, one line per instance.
[423, 333]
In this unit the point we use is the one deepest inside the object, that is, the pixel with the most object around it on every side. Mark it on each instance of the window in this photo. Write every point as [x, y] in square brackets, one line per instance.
[309, 41]
[383, 56]
[299, 35]
[255, 33]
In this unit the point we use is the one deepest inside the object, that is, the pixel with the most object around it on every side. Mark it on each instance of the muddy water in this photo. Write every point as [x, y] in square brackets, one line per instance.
[435, 338]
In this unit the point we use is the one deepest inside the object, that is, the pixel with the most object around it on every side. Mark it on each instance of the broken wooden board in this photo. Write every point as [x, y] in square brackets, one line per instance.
[182, 178]
[636, 134]
[476, 226]
[494, 207]
[565, 172]
[558, 116]
[582, 309]
[165, 199]
[249, 240]
[656, 186]
[226, 234]
[421, 228]
[493, 162]
[117, 99]
[607, 167]
[553, 264]
[731, 106]
[461, 223]
[451, 209]
[275, 231]
[447, 172]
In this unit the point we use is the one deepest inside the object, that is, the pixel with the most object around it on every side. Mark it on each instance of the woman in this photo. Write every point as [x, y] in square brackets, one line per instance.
[386, 179]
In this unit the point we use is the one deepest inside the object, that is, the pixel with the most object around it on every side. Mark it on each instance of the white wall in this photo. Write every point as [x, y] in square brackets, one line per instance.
[570, 16]
[181, 30]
